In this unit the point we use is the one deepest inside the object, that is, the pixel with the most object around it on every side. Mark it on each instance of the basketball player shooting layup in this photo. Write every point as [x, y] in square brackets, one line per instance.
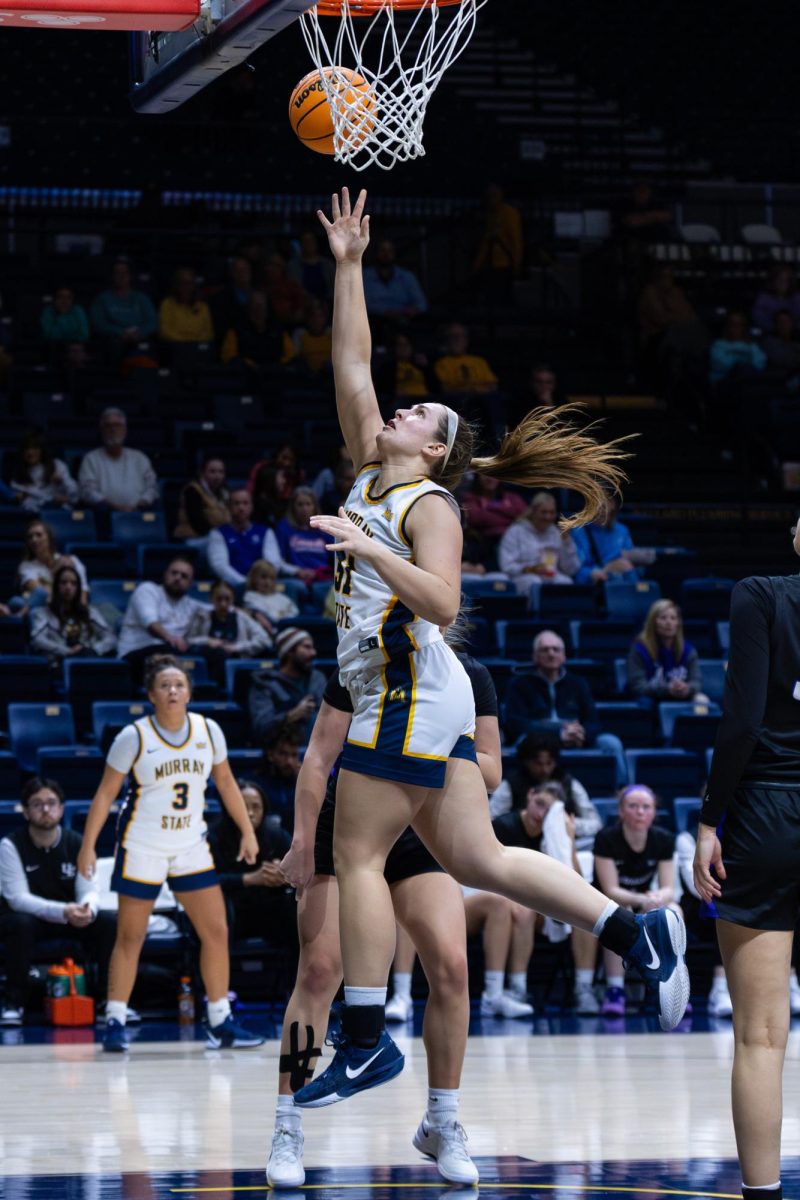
[398, 579]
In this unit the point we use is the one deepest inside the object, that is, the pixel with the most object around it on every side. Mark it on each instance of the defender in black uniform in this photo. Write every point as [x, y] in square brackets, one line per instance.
[749, 835]
[428, 904]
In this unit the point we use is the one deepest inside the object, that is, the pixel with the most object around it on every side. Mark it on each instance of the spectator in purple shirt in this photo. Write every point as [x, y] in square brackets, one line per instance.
[300, 545]
[779, 294]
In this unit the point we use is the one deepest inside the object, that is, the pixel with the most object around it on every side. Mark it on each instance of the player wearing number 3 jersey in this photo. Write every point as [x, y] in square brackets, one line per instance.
[161, 837]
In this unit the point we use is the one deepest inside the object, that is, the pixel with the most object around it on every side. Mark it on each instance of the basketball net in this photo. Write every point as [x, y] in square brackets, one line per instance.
[402, 54]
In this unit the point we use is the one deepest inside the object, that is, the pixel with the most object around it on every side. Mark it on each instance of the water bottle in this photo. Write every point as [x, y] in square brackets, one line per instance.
[185, 1002]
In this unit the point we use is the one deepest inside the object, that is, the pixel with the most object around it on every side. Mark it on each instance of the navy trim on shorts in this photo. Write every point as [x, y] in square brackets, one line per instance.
[421, 772]
[136, 888]
[194, 882]
[465, 748]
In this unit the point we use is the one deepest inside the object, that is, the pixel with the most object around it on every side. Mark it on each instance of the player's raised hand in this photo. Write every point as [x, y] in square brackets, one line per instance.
[348, 231]
[346, 534]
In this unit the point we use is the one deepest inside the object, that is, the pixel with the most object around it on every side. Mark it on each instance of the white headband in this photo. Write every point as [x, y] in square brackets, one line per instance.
[452, 430]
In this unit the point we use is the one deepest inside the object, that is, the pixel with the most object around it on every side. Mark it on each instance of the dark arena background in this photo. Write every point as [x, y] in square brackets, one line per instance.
[607, 213]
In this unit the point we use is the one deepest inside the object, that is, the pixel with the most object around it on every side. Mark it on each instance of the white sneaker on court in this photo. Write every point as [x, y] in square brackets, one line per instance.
[504, 1005]
[399, 1008]
[447, 1145]
[585, 1003]
[285, 1167]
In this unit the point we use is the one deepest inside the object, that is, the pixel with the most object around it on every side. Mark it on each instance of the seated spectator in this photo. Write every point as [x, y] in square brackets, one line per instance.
[182, 315]
[734, 353]
[278, 771]
[42, 557]
[302, 546]
[313, 341]
[390, 291]
[286, 298]
[158, 615]
[533, 552]
[662, 665]
[229, 305]
[663, 306]
[63, 320]
[459, 371]
[539, 762]
[262, 600]
[44, 897]
[782, 347]
[780, 294]
[312, 271]
[633, 866]
[38, 479]
[113, 476]
[224, 631]
[405, 371]
[204, 503]
[256, 341]
[498, 261]
[67, 626]
[235, 546]
[286, 461]
[343, 479]
[258, 902]
[551, 698]
[122, 315]
[490, 509]
[606, 550]
[292, 692]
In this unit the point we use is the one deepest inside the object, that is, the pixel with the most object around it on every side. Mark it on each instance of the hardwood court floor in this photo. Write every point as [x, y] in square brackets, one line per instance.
[188, 1117]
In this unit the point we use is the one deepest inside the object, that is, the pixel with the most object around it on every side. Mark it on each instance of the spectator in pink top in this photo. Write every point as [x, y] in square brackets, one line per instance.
[489, 508]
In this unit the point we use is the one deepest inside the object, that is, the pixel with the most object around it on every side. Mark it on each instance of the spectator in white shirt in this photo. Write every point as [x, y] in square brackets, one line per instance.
[39, 479]
[159, 615]
[42, 558]
[113, 476]
[235, 546]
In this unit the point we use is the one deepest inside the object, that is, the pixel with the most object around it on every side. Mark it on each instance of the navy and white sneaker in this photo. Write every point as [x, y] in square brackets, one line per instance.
[231, 1036]
[115, 1039]
[353, 1069]
[658, 954]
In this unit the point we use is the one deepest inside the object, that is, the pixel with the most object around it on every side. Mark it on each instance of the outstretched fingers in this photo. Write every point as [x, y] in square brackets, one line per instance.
[358, 210]
[336, 211]
[345, 202]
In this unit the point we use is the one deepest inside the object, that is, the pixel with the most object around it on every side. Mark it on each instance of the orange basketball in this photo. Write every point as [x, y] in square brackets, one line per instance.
[310, 111]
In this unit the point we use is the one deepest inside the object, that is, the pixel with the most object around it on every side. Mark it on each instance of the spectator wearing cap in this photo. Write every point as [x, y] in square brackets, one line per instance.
[113, 476]
[159, 615]
[290, 693]
[233, 548]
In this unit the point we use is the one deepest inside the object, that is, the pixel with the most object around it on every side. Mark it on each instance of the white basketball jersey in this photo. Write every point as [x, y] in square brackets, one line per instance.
[373, 625]
[164, 807]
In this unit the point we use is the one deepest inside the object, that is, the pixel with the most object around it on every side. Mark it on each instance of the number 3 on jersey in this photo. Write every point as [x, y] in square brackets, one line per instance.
[181, 791]
[343, 581]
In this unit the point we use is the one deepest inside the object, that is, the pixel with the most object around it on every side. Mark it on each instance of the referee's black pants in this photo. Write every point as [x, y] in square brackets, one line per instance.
[20, 933]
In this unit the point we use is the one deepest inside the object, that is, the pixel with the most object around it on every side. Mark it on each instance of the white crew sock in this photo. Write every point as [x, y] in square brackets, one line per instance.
[616, 981]
[218, 1011]
[493, 983]
[518, 981]
[364, 996]
[584, 976]
[442, 1106]
[287, 1114]
[402, 984]
[116, 1010]
[607, 912]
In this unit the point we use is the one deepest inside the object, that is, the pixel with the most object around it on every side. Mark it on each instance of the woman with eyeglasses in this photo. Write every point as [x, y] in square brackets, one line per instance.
[161, 838]
[747, 858]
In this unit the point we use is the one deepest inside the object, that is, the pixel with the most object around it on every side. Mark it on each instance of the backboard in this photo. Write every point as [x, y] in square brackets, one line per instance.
[169, 68]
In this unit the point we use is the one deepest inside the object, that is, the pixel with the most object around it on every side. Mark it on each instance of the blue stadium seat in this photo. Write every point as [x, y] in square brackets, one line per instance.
[502, 606]
[134, 528]
[71, 525]
[87, 678]
[630, 600]
[11, 818]
[237, 676]
[683, 807]
[565, 601]
[703, 636]
[515, 638]
[594, 769]
[32, 726]
[107, 839]
[9, 776]
[24, 678]
[153, 558]
[671, 712]
[296, 590]
[596, 673]
[608, 808]
[669, 772]
[712, 671]
[195, 666]
[602, 639]
[111, 597]
[319, 594]
[475, 586]
[707, 598]
[12, 522]
[709, 756]
[12, 635]
[77, 768]
[229, 716]
[724, 637]
[244, 763]
[102, 559]
[109, 716]
[621, 675]
[628, 720]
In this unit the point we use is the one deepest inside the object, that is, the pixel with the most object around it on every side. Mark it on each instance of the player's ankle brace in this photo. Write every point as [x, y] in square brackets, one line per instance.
[363, 1024]
[619, 932]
